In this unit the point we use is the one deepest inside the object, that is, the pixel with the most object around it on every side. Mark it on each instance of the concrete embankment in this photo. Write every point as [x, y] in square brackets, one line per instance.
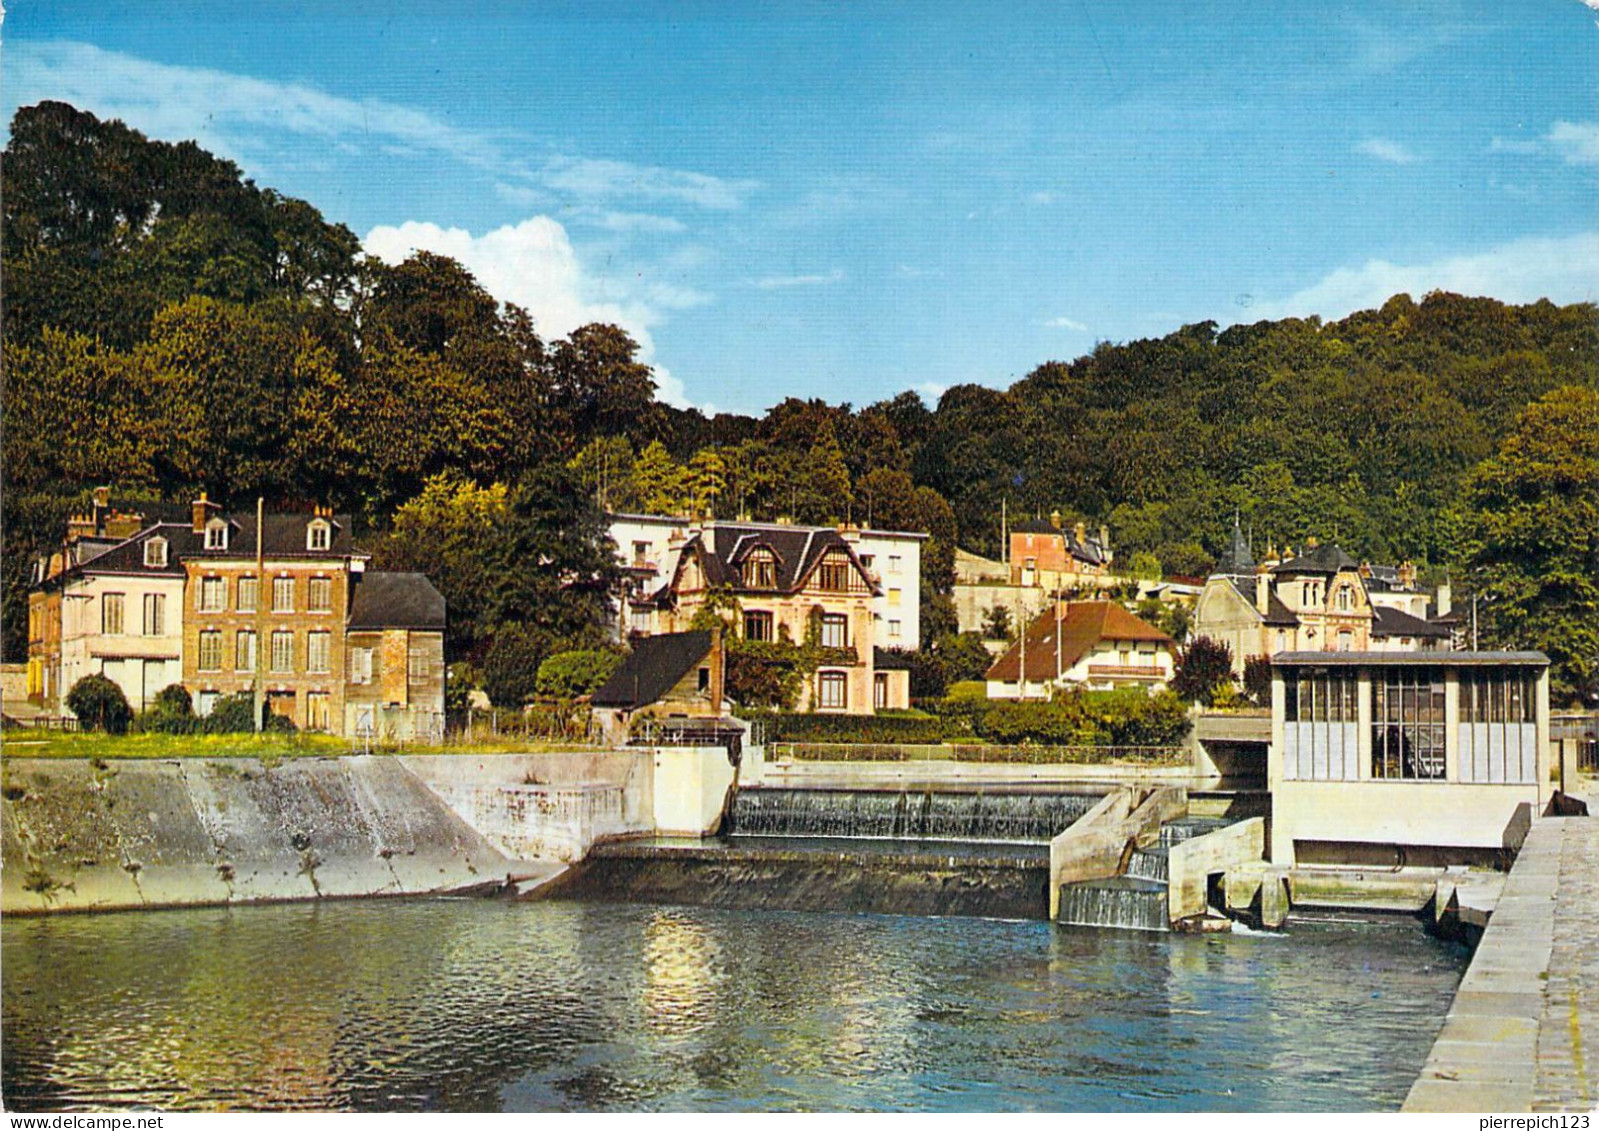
[104, 835]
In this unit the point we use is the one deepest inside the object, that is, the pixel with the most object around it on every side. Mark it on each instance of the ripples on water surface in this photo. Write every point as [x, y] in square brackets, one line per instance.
[476, 1005]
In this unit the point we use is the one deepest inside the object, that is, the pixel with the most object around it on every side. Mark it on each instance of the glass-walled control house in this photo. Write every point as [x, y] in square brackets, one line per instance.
[1394, 758]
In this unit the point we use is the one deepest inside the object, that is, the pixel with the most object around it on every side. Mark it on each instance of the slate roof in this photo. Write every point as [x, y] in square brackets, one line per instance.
[1238, 561]
[1083, 624]
[285, 538]
[395, 600]
[1035, 526]
[1323, 559]
[127, 556]
[1397, 622]
[796, 551]
[1277, 613]
[653, 668]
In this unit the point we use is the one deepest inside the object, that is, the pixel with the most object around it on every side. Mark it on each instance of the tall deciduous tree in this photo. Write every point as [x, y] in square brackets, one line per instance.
[1532, 525]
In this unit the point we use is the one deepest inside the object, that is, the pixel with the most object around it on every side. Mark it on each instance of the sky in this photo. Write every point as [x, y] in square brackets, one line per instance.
[850, 200]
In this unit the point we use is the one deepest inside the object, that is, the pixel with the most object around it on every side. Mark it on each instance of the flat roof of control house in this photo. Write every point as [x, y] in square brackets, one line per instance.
[1407, 659]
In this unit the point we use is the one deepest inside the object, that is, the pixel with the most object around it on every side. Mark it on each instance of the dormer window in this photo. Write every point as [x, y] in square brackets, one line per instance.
[760, 570]
[216, 535]
[155, 553]
[835, 573]
[319, 535]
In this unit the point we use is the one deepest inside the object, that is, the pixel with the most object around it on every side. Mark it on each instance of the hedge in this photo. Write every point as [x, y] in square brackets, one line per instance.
[791, 727]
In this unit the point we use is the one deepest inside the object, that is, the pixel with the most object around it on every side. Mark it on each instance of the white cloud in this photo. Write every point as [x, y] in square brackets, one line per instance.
[587, 177]
[930, 391]
[1385, 150]
[1040, 198]
[1064, 323]
[1563, 270]
[1577, 142]
[776, 282]
[534, 265]
[226, 113]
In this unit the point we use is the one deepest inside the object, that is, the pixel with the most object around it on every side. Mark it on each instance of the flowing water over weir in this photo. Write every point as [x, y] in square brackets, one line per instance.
[1138, 899]
[910, 816]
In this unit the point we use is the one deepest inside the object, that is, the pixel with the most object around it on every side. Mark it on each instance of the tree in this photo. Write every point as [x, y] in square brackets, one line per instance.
[1257, 680]
[99, 704]
[1144, 566]
[1532, 529]
[566, 675]
[605, 469]
[511, 668]
[1204, 667]
[996, 623]
[660, 485]
[459, 535]
[963, 656]
[599, 385]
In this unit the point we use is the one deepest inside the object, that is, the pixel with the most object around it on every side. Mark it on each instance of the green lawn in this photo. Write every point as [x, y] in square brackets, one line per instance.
[272, 747]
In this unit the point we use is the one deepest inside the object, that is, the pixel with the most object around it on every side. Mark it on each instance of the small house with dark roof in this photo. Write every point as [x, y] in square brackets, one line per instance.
[671, 675]
[1090, 644]
[394, 638]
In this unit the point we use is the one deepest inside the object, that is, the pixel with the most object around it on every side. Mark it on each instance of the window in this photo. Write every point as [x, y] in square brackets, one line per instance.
[1343, 602]
[1407, 724]
[1320, 731]
[155, 553]
[205, 703]
[318, 647]
[319, 594]
[111, 614]
[213, 594]
[283, 594]
[210, 651]
[1346, 640]
[216, 535]
[283, 651]
[893, 563]
[893, 630]
[835, 574]
[1498, 727]
[832, 691]
[880, 691]
[249, 587]
[641, 554]
[1319, 696]
[360, 665]
[641, 620]
[835, 630]
[757, 626]
[894, 597]
[316, 710]
[1490, 697]
[155, 614]
[318, 536]
[244, 652]
[704, 680]
[416, 665]
[760, 570]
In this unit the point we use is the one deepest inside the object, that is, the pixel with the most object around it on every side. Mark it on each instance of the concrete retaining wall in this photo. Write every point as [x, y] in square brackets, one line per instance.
[1191, 863]
[79, 835]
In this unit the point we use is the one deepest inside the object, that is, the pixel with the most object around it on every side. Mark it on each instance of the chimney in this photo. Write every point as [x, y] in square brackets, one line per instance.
[1407, 575]
[1443, 601]
[1081, 531]
[1262, 590]
[718, 669]
[1054, 519]
[1312, 542]
[1104, 538]
[849, 532]
[201, 510]
[79, 526]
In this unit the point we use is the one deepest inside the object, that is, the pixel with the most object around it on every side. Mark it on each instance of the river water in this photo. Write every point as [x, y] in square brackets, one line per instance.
[451, 1005]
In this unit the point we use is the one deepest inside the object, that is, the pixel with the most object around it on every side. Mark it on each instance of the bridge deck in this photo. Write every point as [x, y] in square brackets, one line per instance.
[1523, 1032]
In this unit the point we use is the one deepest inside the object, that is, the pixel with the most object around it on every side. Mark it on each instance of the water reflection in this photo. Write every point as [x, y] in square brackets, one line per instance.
[467, 1005]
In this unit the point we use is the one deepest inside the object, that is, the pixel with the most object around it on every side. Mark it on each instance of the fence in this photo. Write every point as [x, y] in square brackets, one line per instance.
[979, 752]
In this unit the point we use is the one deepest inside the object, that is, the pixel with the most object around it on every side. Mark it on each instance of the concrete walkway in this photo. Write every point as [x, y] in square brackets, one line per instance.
[1523, 1032]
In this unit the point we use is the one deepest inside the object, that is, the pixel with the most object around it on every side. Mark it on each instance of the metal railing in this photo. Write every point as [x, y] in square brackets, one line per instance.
[979, 752]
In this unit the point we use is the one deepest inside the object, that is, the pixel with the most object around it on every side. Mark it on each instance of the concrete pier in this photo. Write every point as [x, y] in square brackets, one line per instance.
[1523, 1032]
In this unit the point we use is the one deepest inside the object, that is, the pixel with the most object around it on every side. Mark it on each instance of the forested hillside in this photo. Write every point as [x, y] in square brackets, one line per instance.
[171, 327]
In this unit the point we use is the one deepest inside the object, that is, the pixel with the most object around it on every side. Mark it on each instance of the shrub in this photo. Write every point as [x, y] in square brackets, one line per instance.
[964, 656]
[170, 712]
[99, 705]
[233, 714]
[914, 729]
[1059, 722]
[511, 669]
[1131, 717]
[566, 675]
[1202, 669]
[1257, 680]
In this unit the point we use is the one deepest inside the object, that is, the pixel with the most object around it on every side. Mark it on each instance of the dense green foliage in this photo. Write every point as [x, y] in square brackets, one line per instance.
[99, 705]
[1204, 668]
[170, 712]
[171, 327]
[566, 675]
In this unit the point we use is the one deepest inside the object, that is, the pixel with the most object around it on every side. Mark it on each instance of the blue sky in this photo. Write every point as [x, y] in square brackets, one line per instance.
[849, 200]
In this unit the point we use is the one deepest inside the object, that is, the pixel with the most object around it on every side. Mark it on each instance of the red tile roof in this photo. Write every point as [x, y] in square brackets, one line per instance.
[1083, 624]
